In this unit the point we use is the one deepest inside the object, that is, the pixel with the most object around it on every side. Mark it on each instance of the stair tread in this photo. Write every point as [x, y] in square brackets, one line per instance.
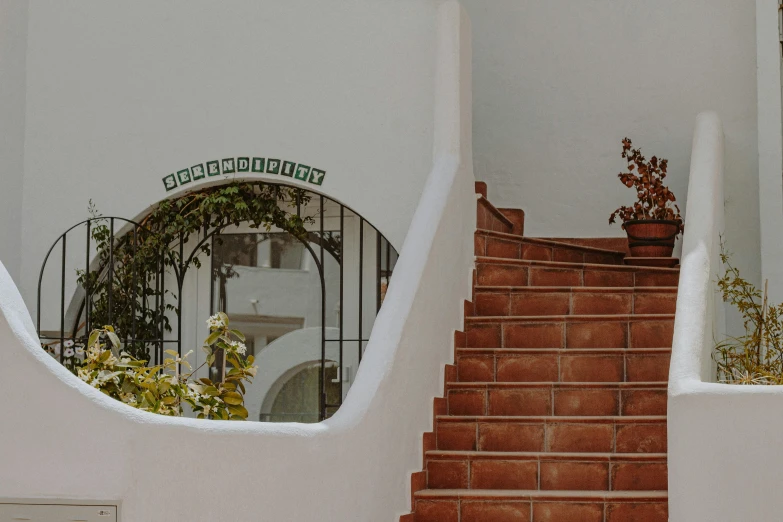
[573, 266]
[565, 318]
[523, 455]
[557, 384]
[551, 418]
[549, 242]
[541, 494]
[580, 289]
[569, 351]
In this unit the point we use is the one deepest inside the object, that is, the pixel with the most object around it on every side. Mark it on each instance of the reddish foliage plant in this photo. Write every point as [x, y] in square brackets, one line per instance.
[654, 199]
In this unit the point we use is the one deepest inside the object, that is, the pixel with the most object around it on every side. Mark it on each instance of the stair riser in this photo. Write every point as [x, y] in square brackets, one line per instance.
[488, 246]
[547, 475]
[563, 368]
[558, 334]
[584, 437]
[544, 400]
[532, 303]
[489, 274]
[456, 510]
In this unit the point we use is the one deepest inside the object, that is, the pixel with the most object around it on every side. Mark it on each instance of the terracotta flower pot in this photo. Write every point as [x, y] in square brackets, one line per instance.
[651, 237]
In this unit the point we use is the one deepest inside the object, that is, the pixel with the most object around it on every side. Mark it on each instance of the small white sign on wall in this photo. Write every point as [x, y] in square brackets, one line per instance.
[13, 512]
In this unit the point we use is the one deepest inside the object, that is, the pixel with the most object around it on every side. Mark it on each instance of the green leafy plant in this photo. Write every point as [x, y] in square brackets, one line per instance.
[654, 200]
[757, 356]
[163, 388]
[130, 264]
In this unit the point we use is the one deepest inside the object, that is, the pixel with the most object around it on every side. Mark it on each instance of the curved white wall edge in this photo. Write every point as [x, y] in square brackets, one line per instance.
[65, 439]
[724, 462]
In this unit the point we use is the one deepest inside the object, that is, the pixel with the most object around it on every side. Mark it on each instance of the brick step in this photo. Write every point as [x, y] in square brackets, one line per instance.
[559, 365]
[558, 399]
[496, 271]
[611, 434]
[477, 505]
[574, 300]
[489, 243]
[546, 471]
[570, 331]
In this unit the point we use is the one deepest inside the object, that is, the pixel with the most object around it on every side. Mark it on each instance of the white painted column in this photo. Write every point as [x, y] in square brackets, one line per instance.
[770, 124]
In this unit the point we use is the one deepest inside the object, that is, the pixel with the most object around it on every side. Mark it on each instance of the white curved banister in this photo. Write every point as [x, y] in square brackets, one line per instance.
[697, 318]
[723, 439]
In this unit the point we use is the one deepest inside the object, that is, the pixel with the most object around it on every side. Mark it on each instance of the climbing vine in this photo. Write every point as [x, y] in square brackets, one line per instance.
[125, 289]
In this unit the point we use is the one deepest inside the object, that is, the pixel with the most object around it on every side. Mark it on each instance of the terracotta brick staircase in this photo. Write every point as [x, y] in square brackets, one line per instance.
[555, 408]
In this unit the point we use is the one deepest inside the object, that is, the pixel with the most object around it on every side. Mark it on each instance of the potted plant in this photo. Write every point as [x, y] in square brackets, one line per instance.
[653, 222]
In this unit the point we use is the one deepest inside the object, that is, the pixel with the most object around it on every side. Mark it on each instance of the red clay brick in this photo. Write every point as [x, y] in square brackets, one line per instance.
[504, 474]
[527, 368]
[639, 476]
[534, 252]
[567, 512]
[490, 303]
[591, 368]
[447, 474]
[580, 437]
[479, 245]
[644, 402]
[637, 512]
[555, 277]
[456, 436]
[502, 275]
[655, 303]
[603, 259]
[467, 402]
[648, 367]
[437, 511]
[520, 401]
[502, 248]
[440, 406]
[567, 255]
[475, 368]
[596, 335]
[641, 438]
[536, 303]
[586, 402]
[652, 334]
[544, 335]
[484, 336]
[601, 303]
[570, 476]
[506, 436]
[497, 511]
[613, 278]
[657, 278]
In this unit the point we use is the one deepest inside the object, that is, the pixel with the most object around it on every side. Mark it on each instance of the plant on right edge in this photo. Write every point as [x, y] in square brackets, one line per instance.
[654, 221]
[757, 356]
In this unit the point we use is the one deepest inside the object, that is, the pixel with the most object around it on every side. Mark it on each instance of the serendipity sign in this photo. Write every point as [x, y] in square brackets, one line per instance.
[245, 164]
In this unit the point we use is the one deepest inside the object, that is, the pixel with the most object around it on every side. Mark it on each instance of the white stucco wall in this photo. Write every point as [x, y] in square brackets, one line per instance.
[121, 94]
[770, 146]
[558, 84]
[13, 46]
[68, 440]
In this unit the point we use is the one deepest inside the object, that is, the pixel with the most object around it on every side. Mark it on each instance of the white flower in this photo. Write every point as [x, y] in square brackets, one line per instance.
[68, 343]
[216, 322]
[238, 347]
[68, 352]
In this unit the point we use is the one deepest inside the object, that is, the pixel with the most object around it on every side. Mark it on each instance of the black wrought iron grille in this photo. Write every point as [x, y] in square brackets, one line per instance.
[352, 260]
